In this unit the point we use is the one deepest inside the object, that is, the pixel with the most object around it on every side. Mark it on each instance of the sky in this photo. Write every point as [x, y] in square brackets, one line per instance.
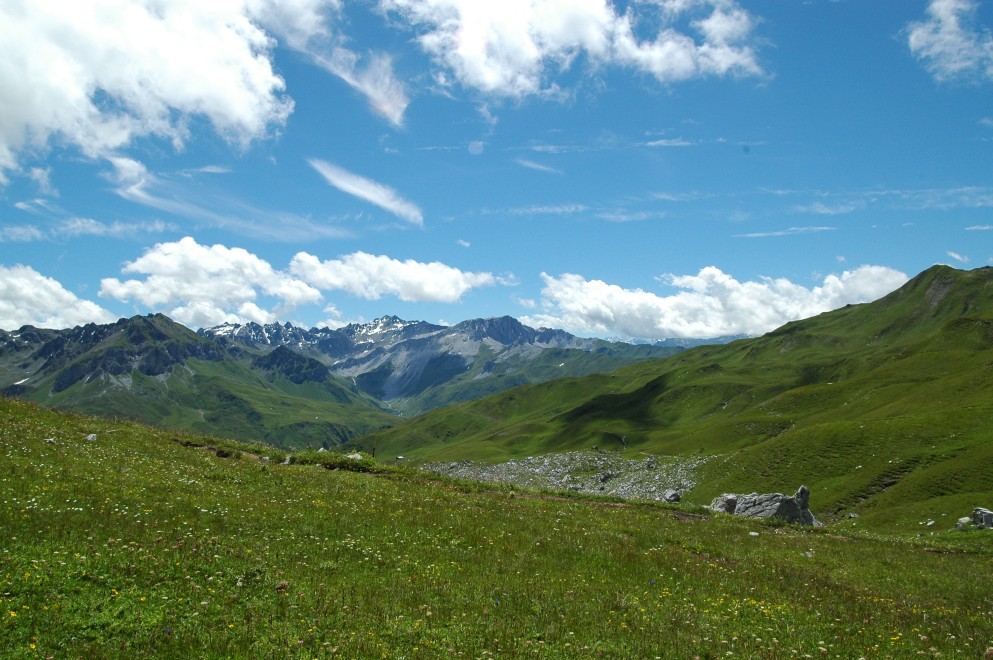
[636, 169]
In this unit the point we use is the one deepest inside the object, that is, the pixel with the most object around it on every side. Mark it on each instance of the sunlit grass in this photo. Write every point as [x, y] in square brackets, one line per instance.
[141, 542]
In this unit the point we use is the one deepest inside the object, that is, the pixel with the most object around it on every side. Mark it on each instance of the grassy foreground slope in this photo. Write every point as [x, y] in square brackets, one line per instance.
[883, 409]
[141, 543]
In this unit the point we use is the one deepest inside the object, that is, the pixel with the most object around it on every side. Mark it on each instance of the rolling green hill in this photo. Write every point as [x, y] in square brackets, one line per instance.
[882, 409]
[153, 370]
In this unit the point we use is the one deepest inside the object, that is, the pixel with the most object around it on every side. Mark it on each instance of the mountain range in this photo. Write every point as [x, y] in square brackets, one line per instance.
[124, 540]
[287, 385]
[882, 409]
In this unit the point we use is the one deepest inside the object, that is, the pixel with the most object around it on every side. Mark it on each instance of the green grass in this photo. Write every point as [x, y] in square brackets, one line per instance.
[146, 542]
[884, 410]
[487, 376]
[225, 398]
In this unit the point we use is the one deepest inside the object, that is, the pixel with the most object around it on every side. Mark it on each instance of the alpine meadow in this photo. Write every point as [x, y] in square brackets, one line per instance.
[558, 329]
[125, 540]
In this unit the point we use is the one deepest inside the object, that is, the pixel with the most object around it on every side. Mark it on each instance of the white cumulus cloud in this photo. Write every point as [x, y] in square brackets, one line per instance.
[201, 285]
[371, 191]
[515, 47]
[96, 75]
[709, 304]
[29, 298]
[373, 276]
[205, 285]
[949, 42]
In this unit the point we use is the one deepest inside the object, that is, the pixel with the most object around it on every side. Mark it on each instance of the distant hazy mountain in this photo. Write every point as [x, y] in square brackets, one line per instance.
[288, 385]
[416, 366]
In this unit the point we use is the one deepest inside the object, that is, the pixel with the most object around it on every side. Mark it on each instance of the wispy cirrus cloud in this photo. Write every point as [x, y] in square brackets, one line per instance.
[116, 229]
[134, 182]
[531, 165]
[820, 208]
[792, 231]
[206, 169]
[371, 191]
[42, 178]
[676, 197]
[558, 148]
[374, 79]
[669, 142]
[311, 27]
[21, 234]
[840, 202]
[36, 206]
[624, 215]
[77, 226]
[546, 209]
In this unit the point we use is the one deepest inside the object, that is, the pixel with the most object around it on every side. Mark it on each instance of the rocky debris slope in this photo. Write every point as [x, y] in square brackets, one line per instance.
[659, 478]
[795, 509]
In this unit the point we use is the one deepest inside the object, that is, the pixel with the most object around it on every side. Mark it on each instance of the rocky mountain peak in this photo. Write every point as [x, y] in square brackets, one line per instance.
[505, 330]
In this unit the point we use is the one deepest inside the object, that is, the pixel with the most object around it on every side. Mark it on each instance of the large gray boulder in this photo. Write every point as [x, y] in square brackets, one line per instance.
[793, 509]
[982, 518]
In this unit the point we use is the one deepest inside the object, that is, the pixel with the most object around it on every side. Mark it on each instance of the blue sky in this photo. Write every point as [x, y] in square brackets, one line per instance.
[634, 169]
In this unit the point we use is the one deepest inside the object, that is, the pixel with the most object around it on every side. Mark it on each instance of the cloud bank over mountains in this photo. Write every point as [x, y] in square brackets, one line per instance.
[708, 304]
[202, 286]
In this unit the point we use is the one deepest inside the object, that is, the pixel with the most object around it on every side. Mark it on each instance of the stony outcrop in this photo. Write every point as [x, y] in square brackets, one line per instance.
[981, 519]
[795, 509]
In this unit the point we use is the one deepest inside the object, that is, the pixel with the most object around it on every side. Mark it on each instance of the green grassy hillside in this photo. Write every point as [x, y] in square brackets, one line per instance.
[487, 375]
[153, 370]
[144, 542]
[228, 399]
[883, 409]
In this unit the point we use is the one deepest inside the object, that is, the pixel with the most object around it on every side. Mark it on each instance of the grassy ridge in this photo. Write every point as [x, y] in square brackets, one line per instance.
[486, 377]
[155, 371]
[883, 409]
[228, 399]
[140, 542]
